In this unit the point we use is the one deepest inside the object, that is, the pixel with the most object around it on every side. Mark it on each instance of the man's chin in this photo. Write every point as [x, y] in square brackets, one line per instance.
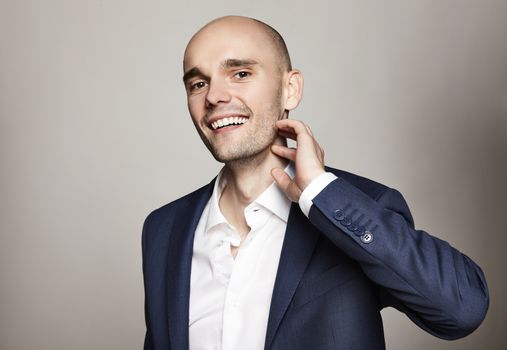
[226, 158]
[240, 157]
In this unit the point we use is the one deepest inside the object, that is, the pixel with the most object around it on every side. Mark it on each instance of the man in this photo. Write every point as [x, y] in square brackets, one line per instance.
[235, 265]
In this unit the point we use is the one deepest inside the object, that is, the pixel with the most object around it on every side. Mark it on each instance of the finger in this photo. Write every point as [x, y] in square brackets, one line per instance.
[293, 136]
[282, 179]
[286, 184]
[321, 152]
[287, 130]
[285, 152]
[286, 134]
[309, 130]
[297, 126]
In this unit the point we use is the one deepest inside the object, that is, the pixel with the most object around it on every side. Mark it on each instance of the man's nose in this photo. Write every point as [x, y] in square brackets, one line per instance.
[217, 93]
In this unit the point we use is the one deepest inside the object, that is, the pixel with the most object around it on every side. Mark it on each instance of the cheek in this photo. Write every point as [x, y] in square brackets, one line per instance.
[261, 97]
[195, 108]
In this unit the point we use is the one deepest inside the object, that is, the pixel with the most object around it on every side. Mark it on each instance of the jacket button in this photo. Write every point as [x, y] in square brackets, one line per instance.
[346, 221]
[367, 237]
[338, 215]
[359, 231]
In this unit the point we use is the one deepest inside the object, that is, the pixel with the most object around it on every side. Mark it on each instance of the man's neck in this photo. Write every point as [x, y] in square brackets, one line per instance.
[245, 181]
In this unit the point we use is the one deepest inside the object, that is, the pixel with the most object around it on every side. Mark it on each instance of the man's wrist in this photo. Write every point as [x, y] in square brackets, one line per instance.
[313, 189]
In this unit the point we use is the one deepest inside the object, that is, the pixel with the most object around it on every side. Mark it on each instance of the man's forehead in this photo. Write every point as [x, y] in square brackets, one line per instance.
[229, 25]
[224, 57]
[227, 39]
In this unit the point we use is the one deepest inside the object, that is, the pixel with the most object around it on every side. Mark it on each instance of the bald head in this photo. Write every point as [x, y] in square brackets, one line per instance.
[238, 25]
[278, 43]
[238, 67]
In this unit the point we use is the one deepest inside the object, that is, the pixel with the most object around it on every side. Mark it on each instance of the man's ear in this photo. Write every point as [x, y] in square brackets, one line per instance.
[294, 89]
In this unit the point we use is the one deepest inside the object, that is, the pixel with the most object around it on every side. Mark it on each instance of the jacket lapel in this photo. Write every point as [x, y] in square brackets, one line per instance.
[179, 265]
[298, 246]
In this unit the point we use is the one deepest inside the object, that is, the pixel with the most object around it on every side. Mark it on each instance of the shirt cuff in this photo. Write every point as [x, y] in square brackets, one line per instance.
[313, 189]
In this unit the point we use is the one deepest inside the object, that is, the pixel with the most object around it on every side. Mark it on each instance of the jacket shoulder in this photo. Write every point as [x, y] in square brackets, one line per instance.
[370, 187]
[168, 210]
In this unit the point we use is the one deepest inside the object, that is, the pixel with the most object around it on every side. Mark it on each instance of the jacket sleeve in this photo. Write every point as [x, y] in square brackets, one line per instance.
[147, 345]
[440, 289]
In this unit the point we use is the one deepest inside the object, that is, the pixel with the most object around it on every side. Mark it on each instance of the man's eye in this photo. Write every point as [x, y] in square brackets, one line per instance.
[198, 85]
[243, 74]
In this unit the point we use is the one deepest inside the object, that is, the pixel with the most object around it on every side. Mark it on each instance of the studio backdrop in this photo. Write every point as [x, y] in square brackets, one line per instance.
[95, 133]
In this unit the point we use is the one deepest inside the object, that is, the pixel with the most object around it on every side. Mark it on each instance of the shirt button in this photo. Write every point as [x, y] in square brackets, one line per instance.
[367, 237]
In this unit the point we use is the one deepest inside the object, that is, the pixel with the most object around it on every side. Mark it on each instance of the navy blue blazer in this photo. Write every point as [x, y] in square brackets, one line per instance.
[357, 253]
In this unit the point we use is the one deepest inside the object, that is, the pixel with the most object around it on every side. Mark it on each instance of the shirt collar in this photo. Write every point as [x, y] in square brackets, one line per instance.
[272, 198]
[215, 216]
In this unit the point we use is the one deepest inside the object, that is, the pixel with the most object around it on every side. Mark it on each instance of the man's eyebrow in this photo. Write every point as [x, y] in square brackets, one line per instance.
[235, 62]
[192, 72]
[228, 63]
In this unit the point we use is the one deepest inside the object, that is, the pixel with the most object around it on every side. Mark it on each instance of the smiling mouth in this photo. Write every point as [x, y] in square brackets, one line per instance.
[229, 121]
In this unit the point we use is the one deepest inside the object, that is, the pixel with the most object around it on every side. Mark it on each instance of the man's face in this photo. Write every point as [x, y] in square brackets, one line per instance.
[234, 89]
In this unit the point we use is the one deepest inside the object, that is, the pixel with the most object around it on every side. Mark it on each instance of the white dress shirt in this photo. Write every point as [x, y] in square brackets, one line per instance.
[230, 297]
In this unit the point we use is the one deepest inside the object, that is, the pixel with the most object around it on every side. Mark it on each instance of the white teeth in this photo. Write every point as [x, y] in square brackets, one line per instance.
[228, 121]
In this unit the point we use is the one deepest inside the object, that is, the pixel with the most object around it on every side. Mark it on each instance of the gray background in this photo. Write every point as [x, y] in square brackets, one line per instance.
[95, 134]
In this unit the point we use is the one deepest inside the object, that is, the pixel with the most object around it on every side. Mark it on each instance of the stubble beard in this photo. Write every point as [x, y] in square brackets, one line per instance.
[259, 136]
[254, 141]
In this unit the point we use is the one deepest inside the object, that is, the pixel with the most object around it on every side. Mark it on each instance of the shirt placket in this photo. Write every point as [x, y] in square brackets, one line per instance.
[242, 267]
